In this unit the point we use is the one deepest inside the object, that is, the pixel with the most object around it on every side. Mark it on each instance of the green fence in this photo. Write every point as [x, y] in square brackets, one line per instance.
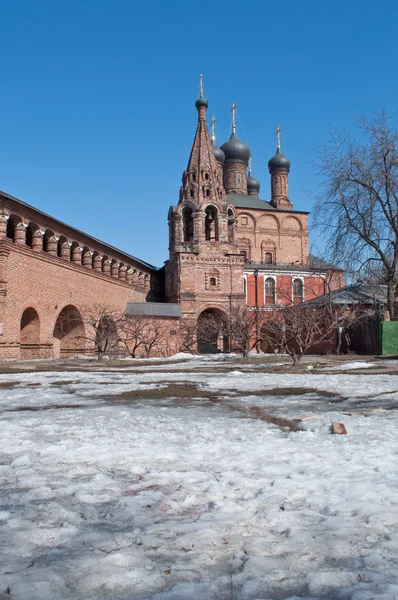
[389, 337]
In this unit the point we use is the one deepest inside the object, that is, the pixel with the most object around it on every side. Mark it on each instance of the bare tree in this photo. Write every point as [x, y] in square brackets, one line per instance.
[357, 204]
[102, 327]
[138, 332]
[130, 333]
[308, 326]
[240, 328]
[298, 328]
[188, 333]
[152, 334]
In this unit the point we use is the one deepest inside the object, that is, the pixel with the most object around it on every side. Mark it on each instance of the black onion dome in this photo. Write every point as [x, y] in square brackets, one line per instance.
[201, 102]
[253, 184]
[234, 149]
[279, 161]
[218, 153]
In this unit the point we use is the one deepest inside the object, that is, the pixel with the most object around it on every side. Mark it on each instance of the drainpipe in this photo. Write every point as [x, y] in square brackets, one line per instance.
[256, 303]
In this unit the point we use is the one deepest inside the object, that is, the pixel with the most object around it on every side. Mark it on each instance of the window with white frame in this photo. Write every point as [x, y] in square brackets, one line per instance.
[269, 291]
[298, 291]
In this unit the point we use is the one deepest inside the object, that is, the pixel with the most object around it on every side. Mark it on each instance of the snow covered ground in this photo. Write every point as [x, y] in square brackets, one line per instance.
[172, 483]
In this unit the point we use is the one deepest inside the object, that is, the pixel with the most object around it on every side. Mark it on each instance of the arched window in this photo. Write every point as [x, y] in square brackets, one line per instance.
[268, 258]
[211, 225]
[269, 290]
[244, 254]
[298, 290]
[238, 180]
[230, 226]
[191, 193]
[187, 224]
[213, 281]
[207, 192]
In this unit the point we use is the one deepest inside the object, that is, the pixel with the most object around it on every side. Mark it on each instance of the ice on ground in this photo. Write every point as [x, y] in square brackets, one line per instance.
[102, 500]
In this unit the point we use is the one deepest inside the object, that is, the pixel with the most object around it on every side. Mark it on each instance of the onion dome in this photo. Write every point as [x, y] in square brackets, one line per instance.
[279, 161]
[218, 153]
[201, 102]
[253, 185]
[235, 149]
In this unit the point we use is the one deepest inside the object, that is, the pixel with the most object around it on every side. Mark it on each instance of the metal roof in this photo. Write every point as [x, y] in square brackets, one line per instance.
[246, 201]
[153, 309]
[142, 262]
[314, 264]
[358, 293]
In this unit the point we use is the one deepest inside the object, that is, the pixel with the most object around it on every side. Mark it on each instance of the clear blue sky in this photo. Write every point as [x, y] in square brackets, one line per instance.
[97, 97]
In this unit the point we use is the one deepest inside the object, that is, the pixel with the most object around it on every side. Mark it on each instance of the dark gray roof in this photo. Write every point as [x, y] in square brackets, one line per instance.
[271, 268]
[235, 149]
[142, 262]
[358, 293]
[279, 161]
[153, 309]
[246, 201]
[318, 263]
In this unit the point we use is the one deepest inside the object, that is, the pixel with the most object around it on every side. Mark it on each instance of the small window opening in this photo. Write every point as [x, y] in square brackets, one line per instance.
[268, 258]
[213, 281]
[206, 176]
[244, 254]
[191, 193]
[207, 193]
[238, 180]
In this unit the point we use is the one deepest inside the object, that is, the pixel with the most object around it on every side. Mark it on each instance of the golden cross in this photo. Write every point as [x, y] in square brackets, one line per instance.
[233, 108]
[278, 135]
[213, 122]
[201, 86]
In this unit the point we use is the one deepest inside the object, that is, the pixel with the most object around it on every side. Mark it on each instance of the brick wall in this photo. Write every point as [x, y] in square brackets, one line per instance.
[47, 284]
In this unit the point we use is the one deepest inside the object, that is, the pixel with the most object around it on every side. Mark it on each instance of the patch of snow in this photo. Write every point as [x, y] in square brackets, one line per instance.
[356, 364]
[128, 501]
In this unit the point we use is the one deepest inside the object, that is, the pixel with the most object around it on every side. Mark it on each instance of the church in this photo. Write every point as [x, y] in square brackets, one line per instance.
[228, 249]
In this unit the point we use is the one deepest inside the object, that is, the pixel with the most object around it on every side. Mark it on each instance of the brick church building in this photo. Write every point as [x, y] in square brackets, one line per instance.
[227, 249]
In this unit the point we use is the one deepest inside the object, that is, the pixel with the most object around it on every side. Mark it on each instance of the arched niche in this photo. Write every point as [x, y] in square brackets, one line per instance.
[268, 222]
[291, 223]
[69, 333]
[30, 333]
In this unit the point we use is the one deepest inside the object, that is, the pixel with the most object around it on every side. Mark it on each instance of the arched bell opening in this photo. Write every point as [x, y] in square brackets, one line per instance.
[211, 224]
[187, 221]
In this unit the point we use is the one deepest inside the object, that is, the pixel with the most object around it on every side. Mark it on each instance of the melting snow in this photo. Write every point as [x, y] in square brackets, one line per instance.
[198, 500]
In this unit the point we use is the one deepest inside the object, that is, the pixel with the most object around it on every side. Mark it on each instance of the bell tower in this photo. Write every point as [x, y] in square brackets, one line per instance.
[204, 268]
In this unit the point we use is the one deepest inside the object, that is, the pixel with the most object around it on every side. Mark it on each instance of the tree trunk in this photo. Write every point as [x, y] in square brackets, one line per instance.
[391, 297]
